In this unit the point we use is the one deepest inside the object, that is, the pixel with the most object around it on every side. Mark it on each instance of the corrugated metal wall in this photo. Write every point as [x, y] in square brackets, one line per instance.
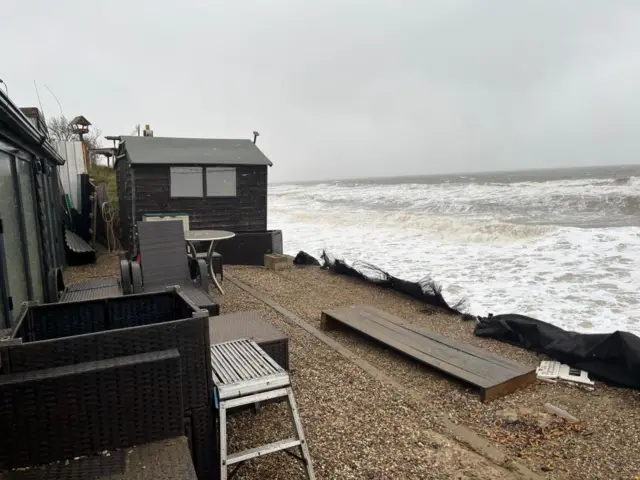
[74, 166]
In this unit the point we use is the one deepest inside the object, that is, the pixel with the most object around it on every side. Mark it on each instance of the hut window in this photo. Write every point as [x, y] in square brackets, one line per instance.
[186, 181]
[221, 182]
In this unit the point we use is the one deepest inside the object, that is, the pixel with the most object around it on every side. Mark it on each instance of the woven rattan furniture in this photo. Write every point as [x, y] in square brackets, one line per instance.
[55, 335]
[164, 261]
[244, 374]
[201, 426]
[65, 334]
[217, 263]
[250, 324]
[91, 290]
[65, 412]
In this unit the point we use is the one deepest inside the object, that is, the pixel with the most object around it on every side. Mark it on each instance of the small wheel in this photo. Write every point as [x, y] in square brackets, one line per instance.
[194, 269]
[136, 278]
[125, 277]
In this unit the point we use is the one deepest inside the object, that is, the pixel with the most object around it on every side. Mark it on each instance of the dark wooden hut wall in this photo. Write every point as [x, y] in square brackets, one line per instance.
[246, 212]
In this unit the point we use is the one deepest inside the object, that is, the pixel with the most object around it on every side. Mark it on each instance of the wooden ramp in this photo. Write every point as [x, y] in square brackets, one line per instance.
[494, 375]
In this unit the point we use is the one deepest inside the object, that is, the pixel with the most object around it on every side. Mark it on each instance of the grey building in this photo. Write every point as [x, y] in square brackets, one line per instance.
[31, 238]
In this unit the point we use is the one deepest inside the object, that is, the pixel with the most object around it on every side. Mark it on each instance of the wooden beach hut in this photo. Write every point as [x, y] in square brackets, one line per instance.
[217, 184]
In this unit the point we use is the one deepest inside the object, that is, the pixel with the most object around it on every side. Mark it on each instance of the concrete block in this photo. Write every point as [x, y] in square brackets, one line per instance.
[277, 261]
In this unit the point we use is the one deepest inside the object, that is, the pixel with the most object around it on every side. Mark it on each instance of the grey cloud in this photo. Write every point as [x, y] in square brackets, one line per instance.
[346, 88]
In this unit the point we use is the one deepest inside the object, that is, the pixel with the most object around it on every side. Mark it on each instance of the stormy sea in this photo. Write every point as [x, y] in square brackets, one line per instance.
[560, 245]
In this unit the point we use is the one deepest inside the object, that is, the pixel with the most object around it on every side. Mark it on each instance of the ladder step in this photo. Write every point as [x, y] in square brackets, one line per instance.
[262, 450]
[256, 397]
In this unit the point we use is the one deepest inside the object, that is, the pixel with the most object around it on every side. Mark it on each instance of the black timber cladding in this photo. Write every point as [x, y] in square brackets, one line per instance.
[246, 212]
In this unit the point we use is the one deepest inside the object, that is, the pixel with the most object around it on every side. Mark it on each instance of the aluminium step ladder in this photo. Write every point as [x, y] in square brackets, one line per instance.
[244, 374]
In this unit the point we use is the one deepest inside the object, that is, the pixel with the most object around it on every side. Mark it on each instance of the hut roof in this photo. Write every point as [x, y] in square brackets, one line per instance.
[192, 151]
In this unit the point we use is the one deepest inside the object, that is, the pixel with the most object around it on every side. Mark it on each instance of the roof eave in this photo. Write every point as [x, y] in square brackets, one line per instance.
[26, 130]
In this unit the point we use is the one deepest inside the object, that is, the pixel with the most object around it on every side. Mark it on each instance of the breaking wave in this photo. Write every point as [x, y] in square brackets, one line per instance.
[564, 250]
[563, 202]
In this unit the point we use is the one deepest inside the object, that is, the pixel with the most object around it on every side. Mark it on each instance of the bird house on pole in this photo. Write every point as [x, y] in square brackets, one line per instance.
[80, 126]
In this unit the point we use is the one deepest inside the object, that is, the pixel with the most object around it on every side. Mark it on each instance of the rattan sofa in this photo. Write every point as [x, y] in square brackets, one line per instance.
[62, 374]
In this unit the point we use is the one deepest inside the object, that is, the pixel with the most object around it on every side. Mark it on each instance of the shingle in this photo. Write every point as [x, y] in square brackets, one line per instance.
[193, 151]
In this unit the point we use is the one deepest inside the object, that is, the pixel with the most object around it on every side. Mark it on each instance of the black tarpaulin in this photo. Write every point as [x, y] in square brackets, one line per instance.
[303, 258]
[611, 357]
[425, 290]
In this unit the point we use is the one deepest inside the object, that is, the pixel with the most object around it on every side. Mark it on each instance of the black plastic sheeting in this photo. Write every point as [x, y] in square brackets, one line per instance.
[303, 258]
[611, 357]
[425, 290]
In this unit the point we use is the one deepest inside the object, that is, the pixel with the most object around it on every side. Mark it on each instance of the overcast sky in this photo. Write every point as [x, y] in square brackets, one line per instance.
[345, 88]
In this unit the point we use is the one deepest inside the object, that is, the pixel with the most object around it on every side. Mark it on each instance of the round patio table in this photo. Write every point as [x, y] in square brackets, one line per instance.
[213, 237]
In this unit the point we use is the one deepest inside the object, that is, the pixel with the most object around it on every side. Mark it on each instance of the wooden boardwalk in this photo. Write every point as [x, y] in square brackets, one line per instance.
[494, 375]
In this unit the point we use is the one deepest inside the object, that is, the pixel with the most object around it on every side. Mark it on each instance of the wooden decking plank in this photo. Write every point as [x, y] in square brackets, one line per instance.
[464, 347]
[494, 376]
[479, 372]
[493, 373]
[397, 342]
[516, 368]
[507, 387]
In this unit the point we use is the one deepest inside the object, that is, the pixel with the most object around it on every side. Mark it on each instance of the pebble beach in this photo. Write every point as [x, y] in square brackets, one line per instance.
[360, 427]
